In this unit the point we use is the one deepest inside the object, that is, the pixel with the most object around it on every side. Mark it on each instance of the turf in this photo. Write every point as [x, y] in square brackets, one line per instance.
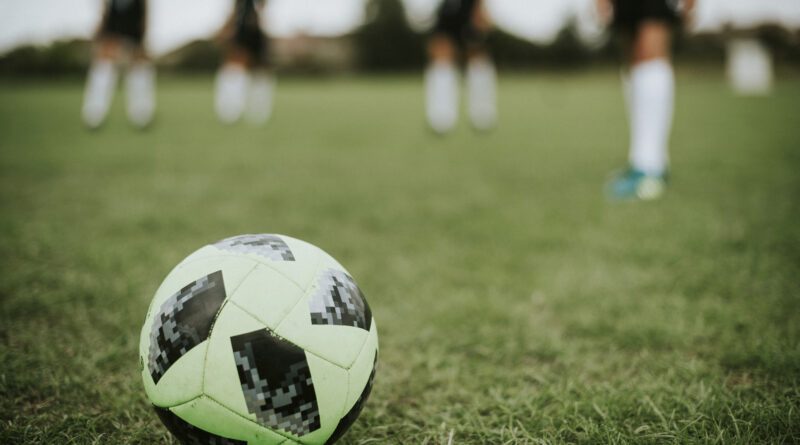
[515, 304]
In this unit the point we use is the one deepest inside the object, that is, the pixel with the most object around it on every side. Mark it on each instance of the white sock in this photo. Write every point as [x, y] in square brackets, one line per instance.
[140, 85]
[259, 107]
[441, 92]
[749, 67]
[100, 85]
[231, 92]
[482, 87]
[652, 95]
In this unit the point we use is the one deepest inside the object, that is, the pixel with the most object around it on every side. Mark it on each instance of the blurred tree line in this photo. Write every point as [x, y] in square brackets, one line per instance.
[61, 58]
[387, 43]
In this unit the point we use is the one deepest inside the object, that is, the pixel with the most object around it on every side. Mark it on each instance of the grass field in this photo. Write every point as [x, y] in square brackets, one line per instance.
[515, 304]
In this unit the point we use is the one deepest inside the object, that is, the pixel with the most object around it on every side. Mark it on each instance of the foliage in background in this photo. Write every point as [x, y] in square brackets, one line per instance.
[386, 43]
[69, 57]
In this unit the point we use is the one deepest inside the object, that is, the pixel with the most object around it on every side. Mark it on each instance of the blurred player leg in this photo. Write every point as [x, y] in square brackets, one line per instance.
[649, 85]
[231, 91]
[652, 84]
[121, 33]
[101, 82]
[100, 85]
[650, 95]
[481, 72]
[482, 88]
[237, 91]
[262, 87]
[441, 85]
[749, 67]
[251, 38]
[140, 89]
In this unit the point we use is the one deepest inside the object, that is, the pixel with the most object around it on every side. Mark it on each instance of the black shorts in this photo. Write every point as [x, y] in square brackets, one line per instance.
[124, 19]
[254, 42]
[247, 34]
[455, 20]
[628, 14]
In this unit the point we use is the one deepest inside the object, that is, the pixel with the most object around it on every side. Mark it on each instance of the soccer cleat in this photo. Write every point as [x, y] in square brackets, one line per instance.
[231, 92]
[482, 88]
[100, 85]
[633, 184]
[441, 90]
[141, 101]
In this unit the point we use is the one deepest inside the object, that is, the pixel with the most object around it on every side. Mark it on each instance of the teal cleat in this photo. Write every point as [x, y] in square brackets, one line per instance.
[633, 184]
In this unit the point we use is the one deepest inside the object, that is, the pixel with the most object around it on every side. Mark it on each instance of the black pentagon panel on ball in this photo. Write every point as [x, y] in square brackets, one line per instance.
[276, 382]
[339, 301]
[347, 421]
[271, 247]
[189, 434]
[184, 321]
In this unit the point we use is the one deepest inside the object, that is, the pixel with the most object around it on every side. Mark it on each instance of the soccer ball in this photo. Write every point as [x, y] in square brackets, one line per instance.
[258, 339]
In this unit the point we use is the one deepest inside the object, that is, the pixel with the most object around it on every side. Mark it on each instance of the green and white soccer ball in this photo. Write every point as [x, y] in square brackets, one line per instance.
[258, 339]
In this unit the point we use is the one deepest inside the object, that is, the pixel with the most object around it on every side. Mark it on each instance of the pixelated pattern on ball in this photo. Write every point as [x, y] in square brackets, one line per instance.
[351, 416]
[276, 382]
[270, 247]
[339, 301]
[184, 321]
[189, 434]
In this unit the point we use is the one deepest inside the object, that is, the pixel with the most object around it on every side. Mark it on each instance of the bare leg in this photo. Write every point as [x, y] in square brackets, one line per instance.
[652, 41]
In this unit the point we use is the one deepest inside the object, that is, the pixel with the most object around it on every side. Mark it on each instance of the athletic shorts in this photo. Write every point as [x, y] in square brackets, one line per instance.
[248, 34]
[124, 19]
[254, 42]
[628, 14]
[455, 20]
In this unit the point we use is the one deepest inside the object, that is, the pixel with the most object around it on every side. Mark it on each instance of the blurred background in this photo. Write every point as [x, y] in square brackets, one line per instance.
[50, 37]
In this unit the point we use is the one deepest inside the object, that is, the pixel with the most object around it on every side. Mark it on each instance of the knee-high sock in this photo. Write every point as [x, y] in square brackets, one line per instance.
[141, 98]
[100, 85]
[259, 108]
[482, 88]
[441, 93]
[231, 92]
[652, 96]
